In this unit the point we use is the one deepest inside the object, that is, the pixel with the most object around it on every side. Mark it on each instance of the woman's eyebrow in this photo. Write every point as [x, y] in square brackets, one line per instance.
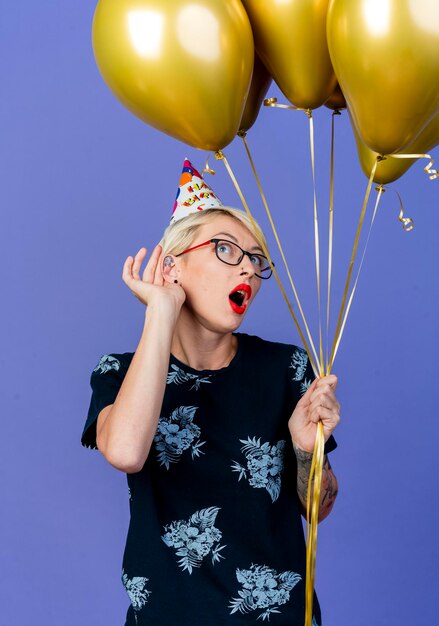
[234, 239]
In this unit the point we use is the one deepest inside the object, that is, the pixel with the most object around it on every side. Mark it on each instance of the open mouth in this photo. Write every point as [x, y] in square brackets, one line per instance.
[239, 297]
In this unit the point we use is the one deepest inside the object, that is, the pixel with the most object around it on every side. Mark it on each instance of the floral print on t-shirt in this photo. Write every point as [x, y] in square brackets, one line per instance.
[179, 376]
[304, 385]
[177, 433]
[263, 588]
[137, 591]
[195, 538]
[299, 361]
[107, 363]
[264, 465]
[191, 553]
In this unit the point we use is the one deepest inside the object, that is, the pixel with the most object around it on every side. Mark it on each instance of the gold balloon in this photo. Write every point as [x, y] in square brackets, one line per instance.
[261, 81]
[290, 38]
[391, 169]
[336, 100]
[183, 67]
[385, 54]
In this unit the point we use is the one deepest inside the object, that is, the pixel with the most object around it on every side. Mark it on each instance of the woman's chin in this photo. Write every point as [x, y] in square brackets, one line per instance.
[224, 325]
[226, 321]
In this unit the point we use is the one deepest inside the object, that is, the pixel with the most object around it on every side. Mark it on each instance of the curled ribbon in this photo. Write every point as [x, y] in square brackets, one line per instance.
[428, 169]
[208, 169]
[407, 222]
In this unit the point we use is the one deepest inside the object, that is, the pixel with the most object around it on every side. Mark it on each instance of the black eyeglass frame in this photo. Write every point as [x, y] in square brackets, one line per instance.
[244, 253]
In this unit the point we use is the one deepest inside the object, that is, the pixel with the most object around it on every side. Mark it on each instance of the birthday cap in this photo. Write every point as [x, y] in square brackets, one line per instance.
[193, 194]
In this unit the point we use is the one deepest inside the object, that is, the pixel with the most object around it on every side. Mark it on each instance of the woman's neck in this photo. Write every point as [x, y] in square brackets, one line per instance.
[201, 348]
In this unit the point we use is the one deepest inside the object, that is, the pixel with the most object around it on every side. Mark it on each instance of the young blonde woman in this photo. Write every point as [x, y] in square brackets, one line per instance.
[214, 429]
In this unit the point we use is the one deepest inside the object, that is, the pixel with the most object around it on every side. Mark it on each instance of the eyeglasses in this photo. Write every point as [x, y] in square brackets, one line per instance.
[230, 253]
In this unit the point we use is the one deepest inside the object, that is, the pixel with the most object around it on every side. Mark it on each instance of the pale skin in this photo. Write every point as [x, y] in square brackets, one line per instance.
[192, 319]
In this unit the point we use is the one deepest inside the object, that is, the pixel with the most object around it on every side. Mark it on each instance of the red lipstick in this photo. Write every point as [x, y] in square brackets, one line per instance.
[239, 296]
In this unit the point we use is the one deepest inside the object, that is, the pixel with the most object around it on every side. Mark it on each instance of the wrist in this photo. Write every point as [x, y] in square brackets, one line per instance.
[166, 311]
[301, 452]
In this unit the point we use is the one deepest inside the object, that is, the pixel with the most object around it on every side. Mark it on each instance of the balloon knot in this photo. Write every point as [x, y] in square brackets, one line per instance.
[242, 133]
[219, 155]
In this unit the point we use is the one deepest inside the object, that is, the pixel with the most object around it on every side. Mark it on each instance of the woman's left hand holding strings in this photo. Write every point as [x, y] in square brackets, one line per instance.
[317, 404]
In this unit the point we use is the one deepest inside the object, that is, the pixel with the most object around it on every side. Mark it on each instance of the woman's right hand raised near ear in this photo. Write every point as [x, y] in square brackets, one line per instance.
[152, 289]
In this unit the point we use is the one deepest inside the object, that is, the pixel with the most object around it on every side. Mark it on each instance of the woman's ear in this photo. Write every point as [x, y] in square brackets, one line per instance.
[169, 269]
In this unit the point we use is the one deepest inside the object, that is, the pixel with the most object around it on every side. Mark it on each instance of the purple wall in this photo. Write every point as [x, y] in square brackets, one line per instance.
[85, 184]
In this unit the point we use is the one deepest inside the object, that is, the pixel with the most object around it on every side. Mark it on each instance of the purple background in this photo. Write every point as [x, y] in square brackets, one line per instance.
[85, 184]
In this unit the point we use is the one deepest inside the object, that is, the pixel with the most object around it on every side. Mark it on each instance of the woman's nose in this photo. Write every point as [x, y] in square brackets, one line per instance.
[247, 265]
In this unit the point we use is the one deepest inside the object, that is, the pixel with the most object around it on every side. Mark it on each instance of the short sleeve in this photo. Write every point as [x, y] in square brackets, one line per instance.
[105, 381]
[302, 375]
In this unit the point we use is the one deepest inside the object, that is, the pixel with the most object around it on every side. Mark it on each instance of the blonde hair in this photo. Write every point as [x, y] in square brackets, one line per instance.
[180, 235]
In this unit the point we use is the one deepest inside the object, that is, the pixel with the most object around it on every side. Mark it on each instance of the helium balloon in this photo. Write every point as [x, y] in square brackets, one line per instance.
[391, 169]
[385, 54]
[290, 38]
[336, 100]
[183, 67]
[261, 81]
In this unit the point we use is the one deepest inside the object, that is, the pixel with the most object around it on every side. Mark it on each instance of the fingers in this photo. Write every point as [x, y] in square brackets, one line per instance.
[137, 263]
[131, 267]
[319, 386]
[324, 393]
[326, 410]
[323, 402]
[330, 379]
[151, 266]
[127, 274]
[158, 273]
[306, 398]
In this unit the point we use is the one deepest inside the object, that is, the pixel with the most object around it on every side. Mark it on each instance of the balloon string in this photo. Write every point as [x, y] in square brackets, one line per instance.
[331, 230]
[221, 157]
[316, 472]
[380, 189]
[312, 519]
[432, 173]
[351, 264]
[315, 478]
[273, 227]
[272, 102]
[316, 239]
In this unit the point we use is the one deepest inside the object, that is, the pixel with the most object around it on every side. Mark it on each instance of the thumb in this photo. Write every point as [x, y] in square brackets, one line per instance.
[306, 398]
